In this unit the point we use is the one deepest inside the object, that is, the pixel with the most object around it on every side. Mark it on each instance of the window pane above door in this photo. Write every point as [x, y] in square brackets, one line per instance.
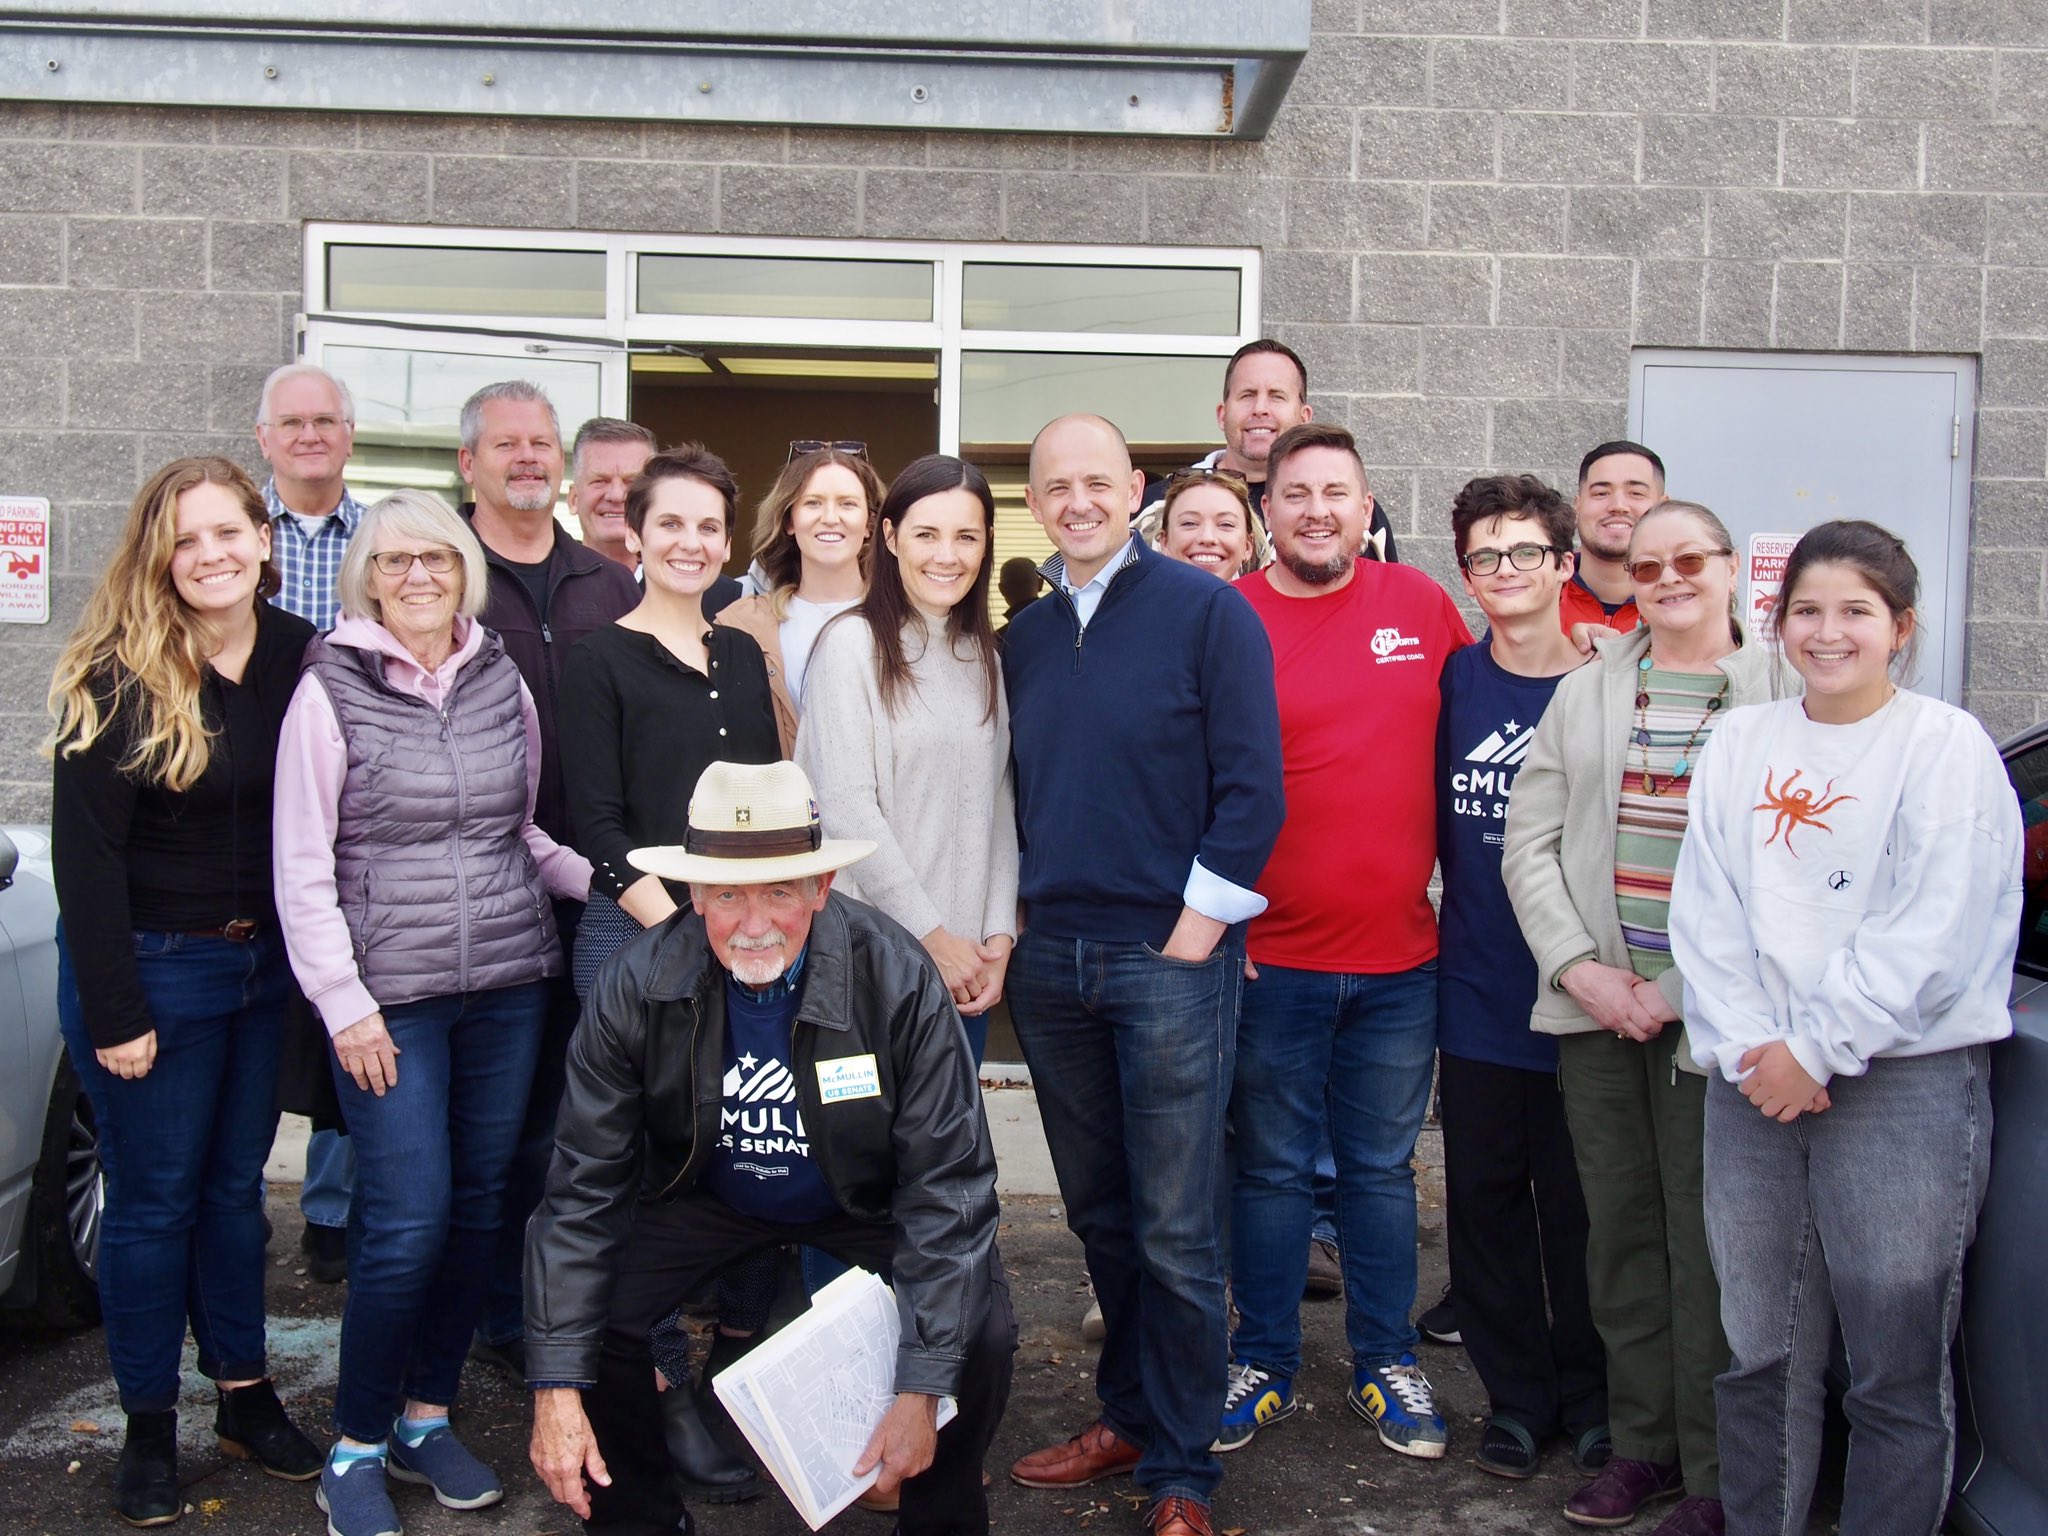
[1154, 301]
[1005, 397]
[785, 288]
[455, 280]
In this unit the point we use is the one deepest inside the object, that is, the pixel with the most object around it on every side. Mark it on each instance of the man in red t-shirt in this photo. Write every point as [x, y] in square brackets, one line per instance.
[1618, 483]
[1339, 1011]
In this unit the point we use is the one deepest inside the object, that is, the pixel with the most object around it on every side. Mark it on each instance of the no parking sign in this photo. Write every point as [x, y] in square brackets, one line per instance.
[24, 560]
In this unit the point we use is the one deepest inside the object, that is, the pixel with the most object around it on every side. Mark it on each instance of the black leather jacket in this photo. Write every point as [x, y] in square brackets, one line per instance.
[639, 1120]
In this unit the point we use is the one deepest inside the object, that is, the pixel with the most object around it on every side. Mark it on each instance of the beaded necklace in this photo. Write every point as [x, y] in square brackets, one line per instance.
[1683, 766]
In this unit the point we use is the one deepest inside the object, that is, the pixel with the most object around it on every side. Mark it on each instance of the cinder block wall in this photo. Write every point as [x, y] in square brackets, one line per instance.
[1471, 209]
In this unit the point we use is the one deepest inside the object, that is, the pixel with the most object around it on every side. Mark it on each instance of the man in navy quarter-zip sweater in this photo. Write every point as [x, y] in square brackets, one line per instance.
[1147, 746]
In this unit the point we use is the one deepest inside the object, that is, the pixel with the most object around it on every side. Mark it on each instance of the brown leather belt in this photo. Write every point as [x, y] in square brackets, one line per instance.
[240, 931]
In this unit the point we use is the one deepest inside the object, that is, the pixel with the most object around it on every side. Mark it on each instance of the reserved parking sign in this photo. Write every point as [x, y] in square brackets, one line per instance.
[24, 560]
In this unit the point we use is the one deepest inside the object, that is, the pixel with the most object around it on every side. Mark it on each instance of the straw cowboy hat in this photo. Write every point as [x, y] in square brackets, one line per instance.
[751, 824]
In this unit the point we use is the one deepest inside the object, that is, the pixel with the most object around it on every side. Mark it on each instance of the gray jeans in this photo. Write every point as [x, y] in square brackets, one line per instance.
[1859, 1214]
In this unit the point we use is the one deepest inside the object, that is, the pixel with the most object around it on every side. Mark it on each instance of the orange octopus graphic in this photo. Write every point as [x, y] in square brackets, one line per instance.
[1796, 808]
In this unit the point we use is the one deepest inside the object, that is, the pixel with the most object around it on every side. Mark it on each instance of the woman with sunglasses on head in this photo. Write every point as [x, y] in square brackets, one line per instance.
[1589, 875]
[907, 737]
[811, 546]
[1206, 519]
[1846, 910]
[172, 985]
[415, 893]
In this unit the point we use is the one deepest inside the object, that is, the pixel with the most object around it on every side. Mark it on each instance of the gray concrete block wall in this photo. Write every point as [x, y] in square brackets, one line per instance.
[1471, 209]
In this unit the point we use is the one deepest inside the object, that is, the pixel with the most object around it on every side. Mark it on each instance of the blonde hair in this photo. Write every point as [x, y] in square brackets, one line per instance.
[1153, 528]
[416, 515]
[138, 645]
[775, 546]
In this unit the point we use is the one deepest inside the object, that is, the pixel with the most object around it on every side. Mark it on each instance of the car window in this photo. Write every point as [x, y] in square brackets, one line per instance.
[2029, 770]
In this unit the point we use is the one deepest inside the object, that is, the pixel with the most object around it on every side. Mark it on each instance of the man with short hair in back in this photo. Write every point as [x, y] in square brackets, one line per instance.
[1618, 483]
[606, 458]
[546, 592]
[306, 432]
[1147, 754]
[1265, 392]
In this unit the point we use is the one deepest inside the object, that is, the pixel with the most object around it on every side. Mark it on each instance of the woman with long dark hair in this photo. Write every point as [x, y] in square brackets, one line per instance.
[172, 982]
[907, 733]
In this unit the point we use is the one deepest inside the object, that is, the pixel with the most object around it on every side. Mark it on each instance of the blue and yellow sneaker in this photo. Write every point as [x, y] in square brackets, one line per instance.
[1397, 1399]
[1254, 1398]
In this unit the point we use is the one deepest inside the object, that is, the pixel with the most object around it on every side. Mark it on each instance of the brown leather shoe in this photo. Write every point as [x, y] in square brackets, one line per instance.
[1176, 1515]
[1095, 1453]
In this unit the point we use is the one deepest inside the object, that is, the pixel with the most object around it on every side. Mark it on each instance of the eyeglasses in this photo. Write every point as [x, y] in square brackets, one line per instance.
[292, 426]
[1523, 557]
[396, 562]
[804, 445]
[1691, 563]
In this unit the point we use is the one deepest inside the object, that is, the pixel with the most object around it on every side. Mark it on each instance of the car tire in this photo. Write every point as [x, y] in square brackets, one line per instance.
[66, 1209]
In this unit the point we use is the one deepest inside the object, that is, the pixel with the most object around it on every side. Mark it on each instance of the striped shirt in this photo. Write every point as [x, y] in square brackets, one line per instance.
[308, 565]
[1650, 827]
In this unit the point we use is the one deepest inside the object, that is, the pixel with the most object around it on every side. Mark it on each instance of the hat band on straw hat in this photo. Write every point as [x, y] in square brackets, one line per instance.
[768, 843]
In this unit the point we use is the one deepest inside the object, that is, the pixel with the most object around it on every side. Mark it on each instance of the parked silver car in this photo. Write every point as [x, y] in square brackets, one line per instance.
[2001, 1485]
[51, 1192]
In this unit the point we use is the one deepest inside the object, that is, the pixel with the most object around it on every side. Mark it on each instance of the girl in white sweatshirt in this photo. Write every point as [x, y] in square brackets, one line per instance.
[1845, 912]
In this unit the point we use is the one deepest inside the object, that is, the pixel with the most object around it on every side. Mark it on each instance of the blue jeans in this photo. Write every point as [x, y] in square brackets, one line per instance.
[1860, 1214]
[1130, 1054]
[330, 1179]
[183, 1151]
[1356, 1053]
[431, 1160]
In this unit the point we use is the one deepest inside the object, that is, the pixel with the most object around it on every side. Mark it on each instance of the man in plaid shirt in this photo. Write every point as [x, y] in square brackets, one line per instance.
[306, 429]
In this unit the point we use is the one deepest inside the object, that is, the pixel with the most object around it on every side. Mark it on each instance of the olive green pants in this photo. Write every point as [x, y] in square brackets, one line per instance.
[1638, 1124]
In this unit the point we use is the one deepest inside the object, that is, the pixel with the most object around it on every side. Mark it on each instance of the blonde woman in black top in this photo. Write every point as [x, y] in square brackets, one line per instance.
[172, 985]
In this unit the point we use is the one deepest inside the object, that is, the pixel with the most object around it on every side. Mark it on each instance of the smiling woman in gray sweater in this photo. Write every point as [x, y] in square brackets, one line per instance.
[906, 734]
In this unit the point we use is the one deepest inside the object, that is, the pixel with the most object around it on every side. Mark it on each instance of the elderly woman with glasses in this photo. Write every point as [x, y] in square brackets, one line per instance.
[811, 545]
[1589, 871]
[413, 889]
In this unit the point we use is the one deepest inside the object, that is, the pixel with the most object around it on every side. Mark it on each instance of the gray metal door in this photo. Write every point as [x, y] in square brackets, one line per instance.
[1776, 442]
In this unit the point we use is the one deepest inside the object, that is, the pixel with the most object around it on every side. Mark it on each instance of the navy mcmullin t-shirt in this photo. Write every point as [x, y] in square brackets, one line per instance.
[1486, 977]
[762, 1166]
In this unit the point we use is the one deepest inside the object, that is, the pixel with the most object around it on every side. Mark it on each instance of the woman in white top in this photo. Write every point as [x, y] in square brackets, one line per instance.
[907, 735]
[1845, 911]
[813, 538]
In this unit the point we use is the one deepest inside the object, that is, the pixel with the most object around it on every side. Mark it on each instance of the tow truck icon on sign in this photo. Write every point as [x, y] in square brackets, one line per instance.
[23, 566]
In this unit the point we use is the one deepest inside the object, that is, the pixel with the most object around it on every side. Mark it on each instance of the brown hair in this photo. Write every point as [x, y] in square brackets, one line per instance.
[686, 461]
[887, 607]
[1876, 554]
[1492, 496]
[775, 546]
[1313, 434]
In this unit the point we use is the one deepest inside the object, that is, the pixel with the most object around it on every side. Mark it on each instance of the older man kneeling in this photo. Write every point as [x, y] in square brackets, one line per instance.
[771, 985]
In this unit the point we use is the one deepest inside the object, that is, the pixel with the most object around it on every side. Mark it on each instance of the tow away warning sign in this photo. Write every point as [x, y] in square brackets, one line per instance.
[24, 560]
[1768, 553]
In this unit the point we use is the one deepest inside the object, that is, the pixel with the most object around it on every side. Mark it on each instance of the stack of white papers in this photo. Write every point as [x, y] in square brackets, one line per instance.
[809, 1398]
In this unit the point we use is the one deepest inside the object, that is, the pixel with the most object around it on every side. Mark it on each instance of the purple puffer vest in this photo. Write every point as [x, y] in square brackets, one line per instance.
[438, 887]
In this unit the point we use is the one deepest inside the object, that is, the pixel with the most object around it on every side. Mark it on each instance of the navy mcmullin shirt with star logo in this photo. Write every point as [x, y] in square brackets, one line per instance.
[762, 1166]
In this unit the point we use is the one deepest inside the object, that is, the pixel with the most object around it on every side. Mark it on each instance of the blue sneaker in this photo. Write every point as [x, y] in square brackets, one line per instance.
[355, 1500]
[443, 1463]
[1254, 1398]
[1397, 1399]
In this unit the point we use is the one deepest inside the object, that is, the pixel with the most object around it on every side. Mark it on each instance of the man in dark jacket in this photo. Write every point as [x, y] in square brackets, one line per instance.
[849, 1119]
[546, 592]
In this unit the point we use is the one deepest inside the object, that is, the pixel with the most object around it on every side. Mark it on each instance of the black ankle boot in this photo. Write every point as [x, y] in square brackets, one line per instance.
[252, 1426]
[146, 1481]
[709, 1471]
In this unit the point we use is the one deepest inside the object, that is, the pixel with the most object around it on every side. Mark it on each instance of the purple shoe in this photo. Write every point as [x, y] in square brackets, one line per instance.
[1623, 1487]
[1696, 1516]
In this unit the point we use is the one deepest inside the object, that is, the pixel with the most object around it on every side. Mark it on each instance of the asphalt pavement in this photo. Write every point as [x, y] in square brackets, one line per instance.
[1322, 1470]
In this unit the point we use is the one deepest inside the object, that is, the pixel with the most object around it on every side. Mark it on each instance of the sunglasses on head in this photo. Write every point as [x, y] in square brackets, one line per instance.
[1523, 557]
[804, 445]
[1691, 563]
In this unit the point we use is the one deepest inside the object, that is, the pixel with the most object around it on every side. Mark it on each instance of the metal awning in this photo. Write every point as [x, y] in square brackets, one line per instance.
[1188, 68]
